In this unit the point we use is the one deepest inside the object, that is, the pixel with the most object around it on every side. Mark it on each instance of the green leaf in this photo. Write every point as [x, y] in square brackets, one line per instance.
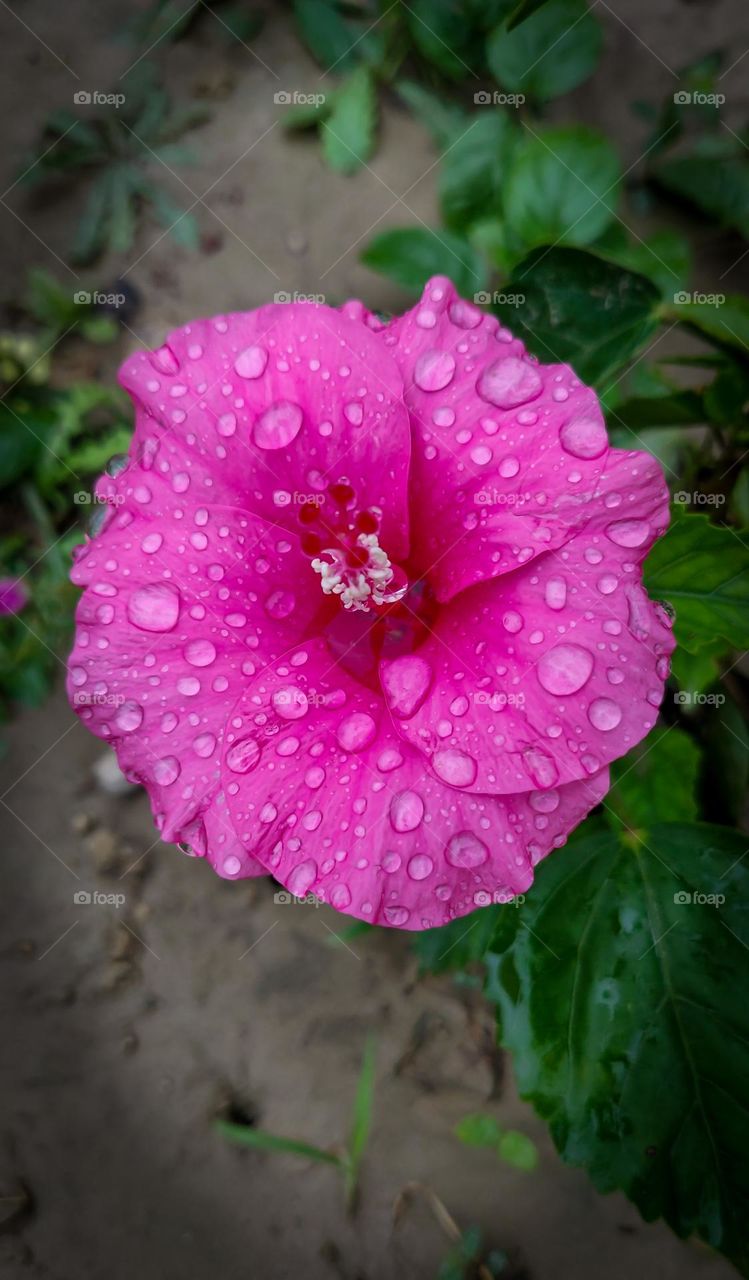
[478, 1130]
[24, 422]
[460, 944]
[522, 11]
[724, 319]
[562, 186]
[247, 1136]
[325, 33]
[474, 169]
[442, 35]
[348, 134]
[727, 397]
[695, 671]
[444, 120]
[656, 782]
[306, 115]
[712, 179]
[553, 51]
[703, 571]
[361, 1124]
[518, 1149]
[664, 257]
[681, 408]
[582, 310]
[411, 255]
[725, 760]
[620, 991]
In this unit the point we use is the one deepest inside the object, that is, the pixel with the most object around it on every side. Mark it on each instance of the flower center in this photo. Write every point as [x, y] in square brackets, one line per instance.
[345, 549]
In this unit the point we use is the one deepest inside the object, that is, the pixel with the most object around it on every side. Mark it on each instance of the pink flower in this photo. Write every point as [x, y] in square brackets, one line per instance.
[366, 610]
[13, 596]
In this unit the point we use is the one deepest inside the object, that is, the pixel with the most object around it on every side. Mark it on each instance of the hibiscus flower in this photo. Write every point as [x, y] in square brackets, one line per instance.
[365, 607]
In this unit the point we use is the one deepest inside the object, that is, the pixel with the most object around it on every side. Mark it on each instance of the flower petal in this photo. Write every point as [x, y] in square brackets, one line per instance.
[506, 452]
[323, 793]
[545, 676]
[177, 617]
[265, 409]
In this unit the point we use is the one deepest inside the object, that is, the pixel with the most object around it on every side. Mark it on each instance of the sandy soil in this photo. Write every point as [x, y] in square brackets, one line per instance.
[129, 1027]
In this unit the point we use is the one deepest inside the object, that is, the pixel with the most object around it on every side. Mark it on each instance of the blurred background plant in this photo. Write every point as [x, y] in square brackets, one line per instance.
[598, 994]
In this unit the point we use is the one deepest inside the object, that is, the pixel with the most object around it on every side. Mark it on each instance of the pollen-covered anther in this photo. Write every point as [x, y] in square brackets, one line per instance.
[362, 575]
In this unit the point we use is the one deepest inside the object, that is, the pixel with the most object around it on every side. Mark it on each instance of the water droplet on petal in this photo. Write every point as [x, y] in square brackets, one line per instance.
[565, 668]
[302, 878]
[278, 426]
[251, 362]
[355, 732]
[434, 370]
[167, 771]
[604, 714]
[584, 437]
[200, 653]
[129, 717]
[154, 608]
[405, 682]
[406, 811]
[465, 850]
[243, 755]
[290, 703]
[509, 383]
[629, 533]
[454, 767]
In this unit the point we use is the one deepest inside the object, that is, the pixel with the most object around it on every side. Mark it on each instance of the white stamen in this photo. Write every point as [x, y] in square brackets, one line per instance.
[360, 585]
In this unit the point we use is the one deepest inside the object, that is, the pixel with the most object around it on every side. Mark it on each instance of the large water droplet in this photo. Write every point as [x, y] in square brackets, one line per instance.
[406, 811]
[565, 668]
[278, 426]
[434, 370]
[251, 362]
[154, 608]
[454, 767]
[584, 437]
[465, 850]
[405, 682]
[510, 382]
[243, 755]
[604, 714]
[355, 732]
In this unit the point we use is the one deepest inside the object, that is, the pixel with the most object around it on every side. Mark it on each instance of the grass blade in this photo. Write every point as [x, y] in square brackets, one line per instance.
[247, 1136]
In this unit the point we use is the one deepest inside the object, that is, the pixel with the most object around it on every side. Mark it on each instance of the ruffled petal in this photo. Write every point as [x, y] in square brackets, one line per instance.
[506, 452]
[543, 677]
[266, 409]
[325, 795]
[178, 615]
